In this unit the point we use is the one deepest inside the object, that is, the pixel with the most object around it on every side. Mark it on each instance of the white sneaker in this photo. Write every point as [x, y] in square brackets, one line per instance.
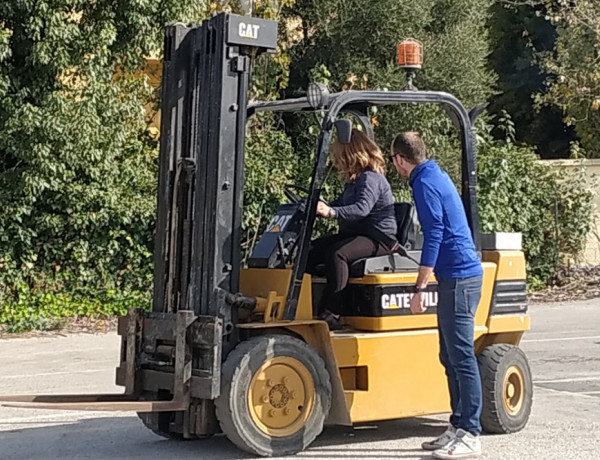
[464, 445]
[441, 441]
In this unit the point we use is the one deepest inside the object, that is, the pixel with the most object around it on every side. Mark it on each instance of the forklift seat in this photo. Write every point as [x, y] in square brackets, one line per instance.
[406, 220]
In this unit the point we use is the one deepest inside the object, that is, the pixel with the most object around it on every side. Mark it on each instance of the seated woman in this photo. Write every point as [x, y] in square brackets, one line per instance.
[365, 213]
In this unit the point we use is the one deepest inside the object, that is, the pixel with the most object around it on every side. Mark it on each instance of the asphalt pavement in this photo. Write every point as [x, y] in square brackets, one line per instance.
[563, 348]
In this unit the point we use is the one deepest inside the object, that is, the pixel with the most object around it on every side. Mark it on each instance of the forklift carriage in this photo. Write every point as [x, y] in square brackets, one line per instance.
[237, 350]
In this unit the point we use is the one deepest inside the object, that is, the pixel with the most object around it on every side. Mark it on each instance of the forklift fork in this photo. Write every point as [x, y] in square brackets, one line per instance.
[131, 329]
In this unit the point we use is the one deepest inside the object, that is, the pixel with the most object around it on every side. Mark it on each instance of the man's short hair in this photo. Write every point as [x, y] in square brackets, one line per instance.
[410, 146]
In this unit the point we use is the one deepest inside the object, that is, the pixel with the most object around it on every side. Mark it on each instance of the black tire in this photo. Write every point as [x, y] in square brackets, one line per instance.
[505, 410]
[242, 421]
[159, 422]
[167, 425]
[170, 425]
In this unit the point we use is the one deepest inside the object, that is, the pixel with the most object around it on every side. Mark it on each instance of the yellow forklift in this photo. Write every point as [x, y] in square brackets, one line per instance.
[237, 349]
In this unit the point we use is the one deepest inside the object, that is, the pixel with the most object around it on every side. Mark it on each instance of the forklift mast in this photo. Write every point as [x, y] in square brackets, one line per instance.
[198, 231]
[171, 357]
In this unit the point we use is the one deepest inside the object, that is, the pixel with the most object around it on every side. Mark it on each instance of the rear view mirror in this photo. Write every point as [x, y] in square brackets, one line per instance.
[343, 128]
[476, 111]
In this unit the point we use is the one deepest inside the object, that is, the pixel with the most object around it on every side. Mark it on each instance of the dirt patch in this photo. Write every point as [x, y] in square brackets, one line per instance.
[76, 325]
[570, 284]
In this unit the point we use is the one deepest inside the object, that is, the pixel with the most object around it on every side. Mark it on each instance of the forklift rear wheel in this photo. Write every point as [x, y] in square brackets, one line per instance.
[275, 395]
[507, 388]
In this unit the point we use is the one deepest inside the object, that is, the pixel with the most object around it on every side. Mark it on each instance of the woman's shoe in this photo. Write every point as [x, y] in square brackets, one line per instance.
[333, 321]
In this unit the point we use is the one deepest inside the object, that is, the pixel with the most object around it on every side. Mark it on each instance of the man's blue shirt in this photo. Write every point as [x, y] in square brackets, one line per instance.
[448, 244]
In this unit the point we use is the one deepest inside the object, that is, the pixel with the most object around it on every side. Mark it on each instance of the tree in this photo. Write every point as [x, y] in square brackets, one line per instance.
[573, 67]
[77, 162]
[77, 166]
[358, 39]
[519, 193]
[349, 44]
[518, 35]
[575, 64]
[352, 44]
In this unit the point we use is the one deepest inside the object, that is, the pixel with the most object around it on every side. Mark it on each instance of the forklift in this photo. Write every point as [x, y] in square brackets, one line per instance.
[236, 349]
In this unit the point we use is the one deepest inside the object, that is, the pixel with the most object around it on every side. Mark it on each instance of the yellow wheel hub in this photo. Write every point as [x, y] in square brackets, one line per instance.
[513, 390]
[281, 396]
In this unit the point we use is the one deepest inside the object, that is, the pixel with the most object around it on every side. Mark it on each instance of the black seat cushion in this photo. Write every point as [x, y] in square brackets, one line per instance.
[406, 221]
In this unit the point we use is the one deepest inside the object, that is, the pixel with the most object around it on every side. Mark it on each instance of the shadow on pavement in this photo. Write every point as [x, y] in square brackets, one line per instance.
[125, 438]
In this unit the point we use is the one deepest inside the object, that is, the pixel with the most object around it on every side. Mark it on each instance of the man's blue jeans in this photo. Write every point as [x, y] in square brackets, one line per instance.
[458, 300]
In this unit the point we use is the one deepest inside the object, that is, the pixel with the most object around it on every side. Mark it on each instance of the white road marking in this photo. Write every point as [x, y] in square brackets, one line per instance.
[591, 392]
[58, 352]
[50, 418]
[46, 374]
[574, 379]
[560, 339]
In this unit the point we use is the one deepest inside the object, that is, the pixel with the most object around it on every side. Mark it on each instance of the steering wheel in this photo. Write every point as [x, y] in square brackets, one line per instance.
[290, 191]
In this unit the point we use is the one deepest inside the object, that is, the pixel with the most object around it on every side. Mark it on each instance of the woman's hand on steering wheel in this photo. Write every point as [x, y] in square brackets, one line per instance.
[290, 191]
[323, 209]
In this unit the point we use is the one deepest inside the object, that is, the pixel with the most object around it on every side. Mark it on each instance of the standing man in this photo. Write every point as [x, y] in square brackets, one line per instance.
[449, 251]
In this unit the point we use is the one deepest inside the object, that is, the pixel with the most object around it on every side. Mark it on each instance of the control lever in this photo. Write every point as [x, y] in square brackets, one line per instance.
[283, 253]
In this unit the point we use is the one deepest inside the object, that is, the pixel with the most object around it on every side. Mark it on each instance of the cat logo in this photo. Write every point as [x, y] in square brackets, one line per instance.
[401, 300]
[279, 222]
[248, 30]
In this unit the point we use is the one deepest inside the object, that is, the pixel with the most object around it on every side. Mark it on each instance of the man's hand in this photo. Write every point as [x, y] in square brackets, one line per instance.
[417, 304]
[323, 209]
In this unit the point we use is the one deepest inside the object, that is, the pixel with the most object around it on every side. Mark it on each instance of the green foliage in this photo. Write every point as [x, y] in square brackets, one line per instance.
[77, 165]
[333, 39]
[331, 47]
[44, 310]
[571, 67]
[270, 164]
[518, 193]
[519, 34]
[574, 85]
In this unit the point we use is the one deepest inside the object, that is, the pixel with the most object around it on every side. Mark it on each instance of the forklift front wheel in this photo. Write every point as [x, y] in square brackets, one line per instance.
[275, 395]
[507, 388]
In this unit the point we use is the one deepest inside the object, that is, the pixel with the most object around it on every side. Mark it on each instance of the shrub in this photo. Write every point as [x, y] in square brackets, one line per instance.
[77, 163]
[519, 193]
